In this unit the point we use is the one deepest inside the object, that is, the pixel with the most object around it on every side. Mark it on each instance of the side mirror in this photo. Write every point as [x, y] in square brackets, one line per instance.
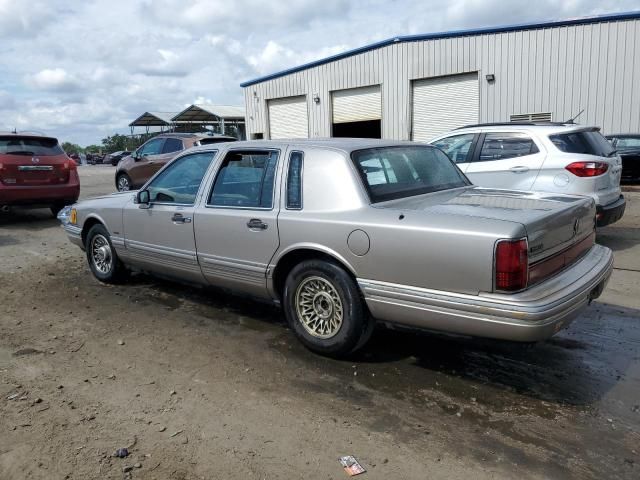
[136, 156]
[142, 199]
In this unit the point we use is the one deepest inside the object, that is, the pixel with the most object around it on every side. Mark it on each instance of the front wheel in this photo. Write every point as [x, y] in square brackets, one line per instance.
[323, 306]
[103, 259]
[123, 182]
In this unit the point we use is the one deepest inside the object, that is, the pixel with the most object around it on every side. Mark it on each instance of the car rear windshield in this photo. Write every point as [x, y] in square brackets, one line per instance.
[42, 146]
[587, 142]
[398, 172]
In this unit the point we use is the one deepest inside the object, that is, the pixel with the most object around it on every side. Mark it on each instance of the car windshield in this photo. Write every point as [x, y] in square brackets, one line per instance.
[628, 143]
[587, 142]
[41, 146]
[398, 172]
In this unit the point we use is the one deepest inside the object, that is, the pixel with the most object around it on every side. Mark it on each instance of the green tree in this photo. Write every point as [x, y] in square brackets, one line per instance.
[69, 147]
[93, 149]
[117, 142]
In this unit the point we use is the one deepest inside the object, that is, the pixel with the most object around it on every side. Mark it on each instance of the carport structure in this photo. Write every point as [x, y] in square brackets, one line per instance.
[153, 119]
[218, 117]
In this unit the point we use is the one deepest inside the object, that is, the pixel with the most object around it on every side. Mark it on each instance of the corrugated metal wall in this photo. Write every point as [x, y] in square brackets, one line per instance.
[562, 70]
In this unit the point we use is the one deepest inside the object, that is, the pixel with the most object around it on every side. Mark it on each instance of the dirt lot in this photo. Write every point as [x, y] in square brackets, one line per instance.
[199, 384]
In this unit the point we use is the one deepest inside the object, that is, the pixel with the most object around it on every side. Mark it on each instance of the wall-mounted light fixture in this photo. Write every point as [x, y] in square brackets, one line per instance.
[316, 98]
[255, 95]
[490, 77]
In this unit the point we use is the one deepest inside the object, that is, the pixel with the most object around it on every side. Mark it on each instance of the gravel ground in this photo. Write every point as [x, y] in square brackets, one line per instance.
[201, 384]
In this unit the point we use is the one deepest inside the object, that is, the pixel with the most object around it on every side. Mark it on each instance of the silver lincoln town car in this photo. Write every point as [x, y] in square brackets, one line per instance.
[346, 232]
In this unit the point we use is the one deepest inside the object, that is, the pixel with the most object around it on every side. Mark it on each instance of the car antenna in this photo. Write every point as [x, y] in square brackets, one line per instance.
[14, 130]
[572, 120]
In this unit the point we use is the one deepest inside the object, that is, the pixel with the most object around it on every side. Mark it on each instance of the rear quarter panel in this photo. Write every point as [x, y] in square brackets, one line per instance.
[429, 250]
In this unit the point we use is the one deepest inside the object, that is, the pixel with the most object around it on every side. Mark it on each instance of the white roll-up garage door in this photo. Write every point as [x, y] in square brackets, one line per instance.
[357, 104]
[288, 118]
[444, 103]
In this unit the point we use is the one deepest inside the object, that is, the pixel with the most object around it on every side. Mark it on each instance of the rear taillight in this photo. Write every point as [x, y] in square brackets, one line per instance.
[512, 265]
[587, 169]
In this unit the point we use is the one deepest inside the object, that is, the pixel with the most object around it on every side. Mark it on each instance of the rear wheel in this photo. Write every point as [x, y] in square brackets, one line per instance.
[103, 259]
[123, 182]
[323, 306]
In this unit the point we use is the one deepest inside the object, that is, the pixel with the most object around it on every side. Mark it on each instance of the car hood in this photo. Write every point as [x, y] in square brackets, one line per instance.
[112, 200]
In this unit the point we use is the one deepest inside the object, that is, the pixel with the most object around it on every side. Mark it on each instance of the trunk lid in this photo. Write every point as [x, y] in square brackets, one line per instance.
[553, 222]
[33, 161]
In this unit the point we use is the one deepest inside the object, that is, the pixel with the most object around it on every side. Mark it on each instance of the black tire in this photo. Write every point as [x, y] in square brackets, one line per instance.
[121, 179]
[55, 208]
[355, 319]
[110, 269]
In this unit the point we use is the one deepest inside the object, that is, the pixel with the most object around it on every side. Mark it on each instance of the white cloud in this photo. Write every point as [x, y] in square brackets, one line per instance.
[53, 79]
[84, 71]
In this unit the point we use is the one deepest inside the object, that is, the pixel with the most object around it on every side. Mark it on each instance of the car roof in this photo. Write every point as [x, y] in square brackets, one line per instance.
[346, 145]
[541, 127]
[26, 134]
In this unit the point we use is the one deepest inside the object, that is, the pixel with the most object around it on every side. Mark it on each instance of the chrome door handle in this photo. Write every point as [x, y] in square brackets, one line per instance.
[178, 218]
[257, 224]
[519, 169]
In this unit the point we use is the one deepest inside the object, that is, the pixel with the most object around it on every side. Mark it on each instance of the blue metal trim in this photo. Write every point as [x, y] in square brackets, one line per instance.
[610, 17]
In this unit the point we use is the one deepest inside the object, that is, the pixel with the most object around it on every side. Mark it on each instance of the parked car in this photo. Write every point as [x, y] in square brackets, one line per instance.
[94, 158]
[546, 157]
[115, 157]
[75, 157]
[35, 171]
[345, 232]
[133, 171]
[628, 147]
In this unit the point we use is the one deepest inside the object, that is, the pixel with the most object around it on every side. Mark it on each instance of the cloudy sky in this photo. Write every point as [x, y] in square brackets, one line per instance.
[82, 70]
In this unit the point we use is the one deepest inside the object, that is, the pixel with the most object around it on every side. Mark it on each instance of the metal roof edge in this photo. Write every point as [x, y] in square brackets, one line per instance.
[609, 17]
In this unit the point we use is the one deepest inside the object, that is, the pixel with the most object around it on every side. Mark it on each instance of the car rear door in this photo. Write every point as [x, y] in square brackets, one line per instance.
[159, 235]
[508, 160]
[236, 229]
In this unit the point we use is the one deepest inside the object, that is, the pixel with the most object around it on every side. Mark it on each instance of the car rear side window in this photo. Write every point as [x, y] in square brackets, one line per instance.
[31, 146]
[245, 180]
[172, 145]
[587, 142]
[294, 181]
[501, 146]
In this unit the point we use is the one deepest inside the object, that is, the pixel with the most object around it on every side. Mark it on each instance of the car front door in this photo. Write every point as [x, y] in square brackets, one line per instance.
[145, 159]
[459, 148]
[236, 230]
[508, 160]
[159, 235]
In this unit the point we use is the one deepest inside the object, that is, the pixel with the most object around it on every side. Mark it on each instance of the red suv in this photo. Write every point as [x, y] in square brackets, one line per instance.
[35, 171]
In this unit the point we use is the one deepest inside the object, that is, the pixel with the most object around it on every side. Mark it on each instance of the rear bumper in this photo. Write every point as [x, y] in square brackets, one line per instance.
[608, 214]
[535, 314]
[39, 195]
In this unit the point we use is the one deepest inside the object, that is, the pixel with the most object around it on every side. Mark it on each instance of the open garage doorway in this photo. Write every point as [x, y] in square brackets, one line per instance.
[357, 112]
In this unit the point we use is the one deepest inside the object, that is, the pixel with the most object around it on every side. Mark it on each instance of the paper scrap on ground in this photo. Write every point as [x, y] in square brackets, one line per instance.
[351, 465]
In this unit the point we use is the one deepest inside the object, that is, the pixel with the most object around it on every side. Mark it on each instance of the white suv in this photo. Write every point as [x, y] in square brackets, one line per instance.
[547, 157]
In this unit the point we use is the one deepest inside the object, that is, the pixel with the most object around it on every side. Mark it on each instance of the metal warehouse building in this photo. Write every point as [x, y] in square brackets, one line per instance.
[417, 87]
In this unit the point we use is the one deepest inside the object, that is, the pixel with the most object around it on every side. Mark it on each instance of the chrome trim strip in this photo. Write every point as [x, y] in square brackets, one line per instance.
[158, 250]
[35, 168]
[538, 305]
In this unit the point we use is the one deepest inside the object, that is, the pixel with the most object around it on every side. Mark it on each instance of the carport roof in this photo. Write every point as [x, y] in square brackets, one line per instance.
[153, 119]
[209, 113]
[454, 33]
